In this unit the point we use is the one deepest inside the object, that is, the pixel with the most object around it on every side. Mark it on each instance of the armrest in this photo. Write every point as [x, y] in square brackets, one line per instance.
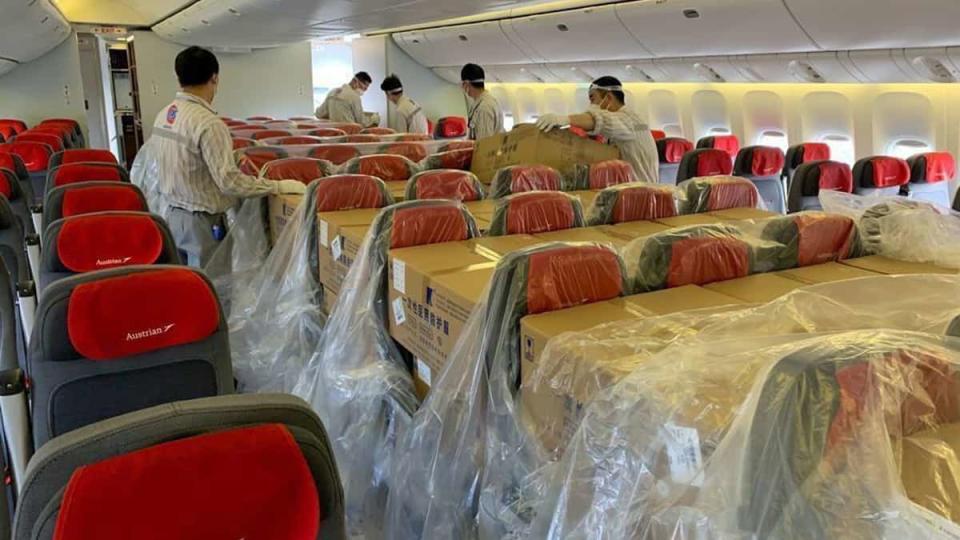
[12, 382]
[32, 239]
[26, 288]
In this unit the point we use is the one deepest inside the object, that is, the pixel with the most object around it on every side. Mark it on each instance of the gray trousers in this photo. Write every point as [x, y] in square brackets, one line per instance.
[193, 233]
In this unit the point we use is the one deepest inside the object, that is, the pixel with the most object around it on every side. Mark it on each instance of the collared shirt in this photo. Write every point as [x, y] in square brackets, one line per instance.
[194, 157]
[485, 118]
[410, 117]
[631, 135]
[343, 104]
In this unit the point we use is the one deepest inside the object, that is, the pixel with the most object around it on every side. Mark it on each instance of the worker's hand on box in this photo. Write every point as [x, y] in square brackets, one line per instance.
[291, 187]
[373, 119]
[552, 121]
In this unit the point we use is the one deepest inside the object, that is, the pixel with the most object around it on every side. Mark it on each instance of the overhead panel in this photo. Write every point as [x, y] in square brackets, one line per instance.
[449, 74]
[30, 29]
[878, 24]
[877, 66]
[627, 70]
[935, 64]
[6, 66]
[575, 36]
[119, 12]
[482, 43]
[671, 28]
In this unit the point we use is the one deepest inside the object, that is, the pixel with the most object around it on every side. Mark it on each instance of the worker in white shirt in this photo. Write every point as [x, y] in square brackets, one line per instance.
[484, 116]
[622, 127]
[409, 116]
[196, 171]
[344, 104]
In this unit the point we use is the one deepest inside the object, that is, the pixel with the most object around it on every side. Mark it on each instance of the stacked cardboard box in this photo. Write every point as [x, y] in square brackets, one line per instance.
[339, 237]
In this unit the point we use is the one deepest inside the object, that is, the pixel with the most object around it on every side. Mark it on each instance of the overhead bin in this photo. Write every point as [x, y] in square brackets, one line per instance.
[627, 70]
[482, 43]
[875, 66]
[6, 65]
[30, 29]
[575, 36]
[709, 27]
[848, 24]
[527, 73]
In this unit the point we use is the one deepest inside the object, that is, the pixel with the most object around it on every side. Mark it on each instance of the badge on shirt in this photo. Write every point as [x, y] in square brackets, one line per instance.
[171, 114]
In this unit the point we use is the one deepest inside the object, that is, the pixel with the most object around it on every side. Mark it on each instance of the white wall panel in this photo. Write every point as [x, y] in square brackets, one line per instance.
[47, 87]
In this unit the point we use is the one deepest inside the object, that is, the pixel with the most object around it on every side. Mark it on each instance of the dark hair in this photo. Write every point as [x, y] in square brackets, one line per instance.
[611, 81]
[363, 77]
[392, 85]
[472, 72]
[196, 66]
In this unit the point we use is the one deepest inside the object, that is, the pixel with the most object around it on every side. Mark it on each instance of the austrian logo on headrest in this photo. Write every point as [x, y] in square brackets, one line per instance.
[171, 114]
[113, 262]
[150, 332]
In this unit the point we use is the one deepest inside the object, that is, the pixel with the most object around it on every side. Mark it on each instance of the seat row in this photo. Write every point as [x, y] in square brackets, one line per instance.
[448, 127]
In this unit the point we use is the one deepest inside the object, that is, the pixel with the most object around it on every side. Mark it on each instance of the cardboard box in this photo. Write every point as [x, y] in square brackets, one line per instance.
[482, 209]
[634, 229]
[739, 214]
[689, 219]
[583, 234]
[495, 247]
[527, 145]
[686, 298]
[398, 190]
[339, 235]
[825, 273]
[280, 210]
[888, 266]
[586, 198]
[756, 289]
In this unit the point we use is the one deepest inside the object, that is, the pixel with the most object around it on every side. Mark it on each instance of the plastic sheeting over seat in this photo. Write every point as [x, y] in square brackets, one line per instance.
[305, 170]
[389, 168]
[709, 194]
[535, 212]
[638, 201]
[810, 238]
[520, 178]
[812, 177]
[449, 184]
[930, 177]
[704, 162]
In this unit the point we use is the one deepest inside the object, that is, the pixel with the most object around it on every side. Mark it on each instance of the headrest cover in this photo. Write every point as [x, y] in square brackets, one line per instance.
[338, 154]
[254, 158]
[823, 237]
[87, 155]
[671, 150]
[123, 316]
[815, 152]
[728, 143]
[362, 138]
[644, 202]
[731, 192]
[241, 142]
[378, 131]
[327, 132]
[347, 127]
[385, 167]
[85, 172]
[305, 170]
[410, 150]
[713, 162]
[881, 172]
[298, 139]
[434, 224]
[658, 134]
[348, 192]
[932, 167]
[96, 242]
[49, 139]
[453, 159]
[703, 260]
[268, 133]
[759, 161]
[835, 176]
[539, 212]
[452, 126]
[571, 276]
[612, 172]
[414, 137]
[35, 156]
[90, 199]
[447, 184]
[252, 482]
[533, 178]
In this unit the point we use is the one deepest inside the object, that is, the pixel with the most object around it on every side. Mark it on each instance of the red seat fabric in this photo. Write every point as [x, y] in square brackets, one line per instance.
[297, 139]
[254, 158]
[420, 225]
[932, 167]
[823, 237]
[732, 193]
[539, 212]
[91, 242]
[362, 138]
[450, 127]
[337, 154]
[672, 149]
[881, 172]
[534, 178]
[242, 142]
[458, 145]
[759, 161]
[658, 134]
[389, 168]
[87, 155]
[54, 141]
[410, 150]
[643, 203]
[269, 133]
[259, 118]
[245, 483]
[19, 126]
[249, 127]
[86, 172]
[612, 172]
[378, 131]
[699, 261]
[728, 143]
[305, 170]
[35, 156]
[350, 191]
[346, 127]
[453, 159]
[446, 184]
[234, 123]
[413, 137]
[81, 200]
[572, 276]
[327, 132]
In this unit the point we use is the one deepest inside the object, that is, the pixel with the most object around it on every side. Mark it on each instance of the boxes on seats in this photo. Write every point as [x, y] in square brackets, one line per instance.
[527, 145]
[339, 235]
[887, 266]
[280, 209]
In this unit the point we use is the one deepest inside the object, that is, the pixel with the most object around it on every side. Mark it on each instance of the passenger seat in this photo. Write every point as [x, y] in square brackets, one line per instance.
[521, 178]
[799, 154]
[90, 197]
[814, 176]
[633, 202]
[450, 184]
[704, 162]
[713, 193]
[535, 212]
[603, 174]
[728, 143]
[389, 168]
[304, 169]
[880, 175]
[671, 151]
[763, 165]
[930, 177]
[811, 238]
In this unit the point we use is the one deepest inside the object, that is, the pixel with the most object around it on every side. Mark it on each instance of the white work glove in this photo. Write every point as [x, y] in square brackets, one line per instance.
[552, 121]
[291, 187]
[373, 119]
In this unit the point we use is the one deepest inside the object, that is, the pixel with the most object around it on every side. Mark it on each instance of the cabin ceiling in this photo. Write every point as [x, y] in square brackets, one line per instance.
[119, 12]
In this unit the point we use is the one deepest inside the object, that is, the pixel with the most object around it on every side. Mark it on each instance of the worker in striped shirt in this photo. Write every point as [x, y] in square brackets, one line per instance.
[197, 175]
[409, 117]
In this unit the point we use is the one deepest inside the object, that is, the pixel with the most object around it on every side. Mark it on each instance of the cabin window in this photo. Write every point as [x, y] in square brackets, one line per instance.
[508, 120]
[332, 66]
[906, 148]
[774, 138]
[719, 131]
[673, 130]
[527, 103]
[710, 114]
[763, 119]
[841, 148]
[664, 113]
[902, 122]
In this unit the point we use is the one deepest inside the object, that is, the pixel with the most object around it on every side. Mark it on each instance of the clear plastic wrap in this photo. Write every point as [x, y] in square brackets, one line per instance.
[449, 184]
[604, 174]
[325, 132]
[521, 178]
[712, 193]
[379, 131]
[456, 467]
[145, 174]
[356, 379]
[303, 169]
[253, 158]
[291, 140]
[639, 201]
[362, 138]
[535, 212]
[389, 168]
[241, 142]
[460, 158]
[698, 255]
[843, 435]
[337, 154]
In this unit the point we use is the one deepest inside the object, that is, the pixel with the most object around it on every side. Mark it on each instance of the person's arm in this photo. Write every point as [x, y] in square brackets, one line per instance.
[485, 122]
[419, 124]
[216, 147]
[601, 122]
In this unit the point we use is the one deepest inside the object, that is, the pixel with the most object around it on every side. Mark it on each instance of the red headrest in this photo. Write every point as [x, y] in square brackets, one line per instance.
[61, 130]
[410, 150]
[835, 176]
[280, 124]
[259, 118]
[759, 161]
[346, 127]
[823, 237]
[420, 225]
[98, 241]
[87, 155]
[49, 139]
[215, 485]
[534, 178]
[454, 159]
[671, 150]
[338, 154]
[881, 172]
[447, 184]
[249, 127]
[571, 276]
[539, 212]
[713, 162]
[703, 260]
[122, 316]
[612, 172]
[268, 133]
[327, 132]
[255, 157]
[731, 192]
[378, 131]
[658, 134]
[362, 138]
[388, 168]
[452, 126]
[7, 132]
[458, 145]
[241, 142]
[414, 137]
[81, 200]
[305, 170]
[68, 121]
[643, 202]
[233, 123]
[6, 188]
[13, 162]
[86, 172]
[349, 191]
[728, 143]
[298, 139]
[35, 156]
[815, 152]
[932, 167]
[19, 126]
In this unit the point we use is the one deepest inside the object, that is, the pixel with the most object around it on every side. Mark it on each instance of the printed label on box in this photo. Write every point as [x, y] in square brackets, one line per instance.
[399, 316]
[683, 453]
[399, 276]
[324, 229]
[336, 247]
[423, 370]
